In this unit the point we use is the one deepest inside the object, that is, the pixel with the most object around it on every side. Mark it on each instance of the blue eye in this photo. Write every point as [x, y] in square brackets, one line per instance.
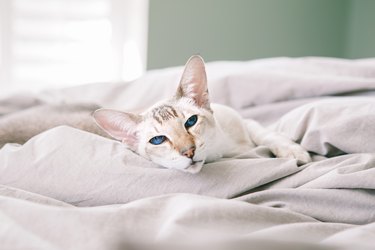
[158, 139]
[191, 121]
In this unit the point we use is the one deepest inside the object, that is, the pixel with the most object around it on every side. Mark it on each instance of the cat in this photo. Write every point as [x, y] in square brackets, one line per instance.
[186, 131]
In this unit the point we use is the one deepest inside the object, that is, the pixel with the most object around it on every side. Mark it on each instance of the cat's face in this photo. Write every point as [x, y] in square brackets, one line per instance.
[172, 133]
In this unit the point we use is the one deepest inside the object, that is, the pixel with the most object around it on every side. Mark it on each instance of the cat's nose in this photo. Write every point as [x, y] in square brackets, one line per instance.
[189, 152]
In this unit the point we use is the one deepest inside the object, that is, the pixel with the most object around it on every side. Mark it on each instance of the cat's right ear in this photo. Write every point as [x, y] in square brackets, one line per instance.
[193, 84]
[120, 125]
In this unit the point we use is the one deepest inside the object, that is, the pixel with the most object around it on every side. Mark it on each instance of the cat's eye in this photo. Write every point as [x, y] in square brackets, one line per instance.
[157, 140]
[191, 121]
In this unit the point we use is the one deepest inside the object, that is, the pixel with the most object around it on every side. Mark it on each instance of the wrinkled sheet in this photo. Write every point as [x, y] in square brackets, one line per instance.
[70, 189]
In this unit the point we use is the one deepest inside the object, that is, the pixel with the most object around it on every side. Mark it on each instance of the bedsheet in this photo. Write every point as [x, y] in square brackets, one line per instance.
[70, 189]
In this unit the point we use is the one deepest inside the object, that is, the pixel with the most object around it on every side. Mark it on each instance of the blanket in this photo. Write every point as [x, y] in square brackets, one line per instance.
[70, 189]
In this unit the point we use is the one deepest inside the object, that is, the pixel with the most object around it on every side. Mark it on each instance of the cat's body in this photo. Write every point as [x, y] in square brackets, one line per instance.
[181, 133]
[230, 136]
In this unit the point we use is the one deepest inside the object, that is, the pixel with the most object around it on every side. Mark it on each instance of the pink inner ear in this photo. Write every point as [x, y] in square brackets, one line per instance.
[131, 140]
[193, 83]
[201, 98]
[120, 125]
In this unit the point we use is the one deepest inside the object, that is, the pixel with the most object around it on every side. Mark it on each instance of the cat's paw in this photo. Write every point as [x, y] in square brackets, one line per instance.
[292, 151]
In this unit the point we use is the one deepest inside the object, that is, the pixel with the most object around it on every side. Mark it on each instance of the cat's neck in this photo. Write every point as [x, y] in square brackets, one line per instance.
[229, 136]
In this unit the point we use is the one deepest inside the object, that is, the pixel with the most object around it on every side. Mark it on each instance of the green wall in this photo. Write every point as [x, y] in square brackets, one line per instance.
[361, 29]
[249, 29]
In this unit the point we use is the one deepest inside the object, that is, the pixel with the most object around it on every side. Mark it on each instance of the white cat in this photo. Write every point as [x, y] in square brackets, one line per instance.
[187, 130]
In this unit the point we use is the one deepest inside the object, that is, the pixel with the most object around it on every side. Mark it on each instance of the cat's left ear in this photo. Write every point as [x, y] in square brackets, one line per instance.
[193, 84]
[120, 125]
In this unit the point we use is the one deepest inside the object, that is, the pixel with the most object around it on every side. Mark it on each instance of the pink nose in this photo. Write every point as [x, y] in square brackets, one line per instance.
[189, 153]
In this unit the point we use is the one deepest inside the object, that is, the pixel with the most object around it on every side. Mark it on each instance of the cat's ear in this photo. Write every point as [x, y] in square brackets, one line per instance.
[120, 125]
[193, 83]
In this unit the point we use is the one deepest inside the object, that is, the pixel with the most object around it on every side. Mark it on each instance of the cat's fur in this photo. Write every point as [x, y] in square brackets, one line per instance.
[218, 132]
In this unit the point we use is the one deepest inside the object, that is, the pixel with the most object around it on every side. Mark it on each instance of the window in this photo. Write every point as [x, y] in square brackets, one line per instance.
[55, 43]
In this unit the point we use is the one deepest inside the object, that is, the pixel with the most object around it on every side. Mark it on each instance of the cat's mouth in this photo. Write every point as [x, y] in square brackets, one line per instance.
[195, 167]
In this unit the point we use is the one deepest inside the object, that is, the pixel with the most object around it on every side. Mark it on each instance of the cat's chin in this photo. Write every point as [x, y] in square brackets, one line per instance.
[194, 168]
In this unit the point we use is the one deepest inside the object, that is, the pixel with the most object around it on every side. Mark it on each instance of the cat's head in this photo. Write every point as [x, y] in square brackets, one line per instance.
[173, 133]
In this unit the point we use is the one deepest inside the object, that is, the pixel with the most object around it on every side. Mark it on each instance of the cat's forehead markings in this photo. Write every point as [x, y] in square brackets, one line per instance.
[164, 113]
[157, 130]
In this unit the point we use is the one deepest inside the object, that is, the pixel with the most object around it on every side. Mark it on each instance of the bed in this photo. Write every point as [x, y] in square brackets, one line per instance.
[70, 189]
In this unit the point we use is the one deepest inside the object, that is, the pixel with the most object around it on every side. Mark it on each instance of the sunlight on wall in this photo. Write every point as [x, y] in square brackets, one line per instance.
[82, 53]
[57, 43]
[132, 65]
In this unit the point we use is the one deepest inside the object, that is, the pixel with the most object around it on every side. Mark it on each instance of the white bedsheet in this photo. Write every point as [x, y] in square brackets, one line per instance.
[70, 189]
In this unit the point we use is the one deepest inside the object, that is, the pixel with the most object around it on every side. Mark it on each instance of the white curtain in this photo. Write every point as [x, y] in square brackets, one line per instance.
[54, 43]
